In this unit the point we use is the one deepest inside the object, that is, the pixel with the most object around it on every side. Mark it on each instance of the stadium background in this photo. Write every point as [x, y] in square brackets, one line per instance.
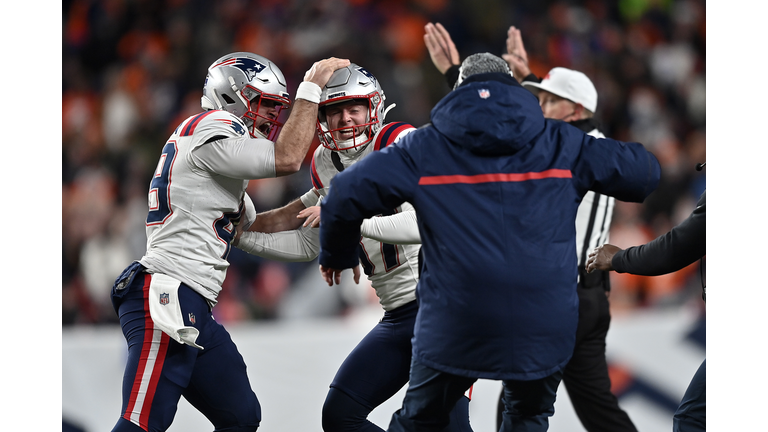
[133, 70]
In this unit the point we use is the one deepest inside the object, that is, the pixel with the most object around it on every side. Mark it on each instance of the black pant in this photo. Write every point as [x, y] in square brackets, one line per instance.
[586, 375]
[691, 415]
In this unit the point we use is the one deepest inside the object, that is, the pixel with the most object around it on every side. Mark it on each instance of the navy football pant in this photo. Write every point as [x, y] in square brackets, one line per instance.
[374, 371]
[529, 404]
[432, 394]
[159, 370]
[691, 415]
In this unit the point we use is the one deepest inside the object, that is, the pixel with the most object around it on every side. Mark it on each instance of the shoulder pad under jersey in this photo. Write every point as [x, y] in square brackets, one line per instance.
[391, 133]
[322, 170]
[211, 124]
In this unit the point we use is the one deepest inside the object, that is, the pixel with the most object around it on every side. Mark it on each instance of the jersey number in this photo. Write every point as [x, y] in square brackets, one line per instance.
[160, 187]
[389, 255]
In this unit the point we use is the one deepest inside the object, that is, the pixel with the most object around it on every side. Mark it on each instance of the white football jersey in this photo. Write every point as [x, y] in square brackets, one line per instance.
[392, 269]
[197, 196]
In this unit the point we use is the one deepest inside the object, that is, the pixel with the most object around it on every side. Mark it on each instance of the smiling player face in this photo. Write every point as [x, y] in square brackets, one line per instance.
[344, 116]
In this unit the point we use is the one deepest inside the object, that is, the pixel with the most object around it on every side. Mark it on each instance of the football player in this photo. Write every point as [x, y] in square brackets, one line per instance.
[196, 198]
[350, 126]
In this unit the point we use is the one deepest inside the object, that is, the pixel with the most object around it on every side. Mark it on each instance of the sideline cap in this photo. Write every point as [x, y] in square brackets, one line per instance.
[568, 84]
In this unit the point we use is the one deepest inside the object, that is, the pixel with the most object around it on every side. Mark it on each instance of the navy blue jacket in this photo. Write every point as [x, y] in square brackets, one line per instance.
[496, 188]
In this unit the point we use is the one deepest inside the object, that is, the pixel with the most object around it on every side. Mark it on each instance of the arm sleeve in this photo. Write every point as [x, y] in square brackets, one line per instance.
[302, 244]
[532, 78]
[623, 170]
[242, 158]
[452, 75]
[400, 228]
[670, 252]
[250, 212]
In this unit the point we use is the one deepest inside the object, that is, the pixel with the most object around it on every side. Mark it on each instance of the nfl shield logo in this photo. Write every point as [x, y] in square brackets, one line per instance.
[192, 318]
[484, 93]
[164, 299]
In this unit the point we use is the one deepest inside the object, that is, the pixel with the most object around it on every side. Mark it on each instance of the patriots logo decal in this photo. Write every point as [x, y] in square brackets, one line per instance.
[366, 73]
[249, 66]
[236, 126]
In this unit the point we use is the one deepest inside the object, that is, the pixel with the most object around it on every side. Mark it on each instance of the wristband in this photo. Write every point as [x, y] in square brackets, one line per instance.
[309, 91]
[309, 199]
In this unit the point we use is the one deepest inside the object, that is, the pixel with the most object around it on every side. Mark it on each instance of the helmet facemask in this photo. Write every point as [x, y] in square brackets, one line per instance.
[269, 127]
[240, 83]
[364, 132]
[351, 83]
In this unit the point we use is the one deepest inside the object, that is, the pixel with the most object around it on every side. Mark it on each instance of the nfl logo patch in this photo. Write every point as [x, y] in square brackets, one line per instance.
[484, 93]
[164, 299]
[192, 318]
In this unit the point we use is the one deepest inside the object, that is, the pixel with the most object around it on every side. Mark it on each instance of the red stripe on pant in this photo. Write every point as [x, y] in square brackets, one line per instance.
[149, 358]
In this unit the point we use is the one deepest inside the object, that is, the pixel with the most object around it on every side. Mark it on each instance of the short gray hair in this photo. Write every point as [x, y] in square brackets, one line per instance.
[481, 63]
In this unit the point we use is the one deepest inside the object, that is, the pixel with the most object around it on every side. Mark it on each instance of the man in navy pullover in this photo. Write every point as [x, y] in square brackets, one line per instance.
[496, 188]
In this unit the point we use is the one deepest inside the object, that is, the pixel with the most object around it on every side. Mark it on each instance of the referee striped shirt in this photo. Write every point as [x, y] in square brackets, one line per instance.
[593, 218]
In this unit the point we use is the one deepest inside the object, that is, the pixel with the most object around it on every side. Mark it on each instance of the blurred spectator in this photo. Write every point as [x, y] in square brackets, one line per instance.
[131, 71]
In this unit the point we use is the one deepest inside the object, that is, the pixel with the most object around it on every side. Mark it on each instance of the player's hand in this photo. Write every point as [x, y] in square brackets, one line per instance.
[321, 71]
[312, 215]
[238, 233]
[442, 51]
[516, 57]
[332, 275]
[600, 258]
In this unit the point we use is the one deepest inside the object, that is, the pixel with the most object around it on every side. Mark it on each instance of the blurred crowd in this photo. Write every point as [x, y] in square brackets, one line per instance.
[132, 70]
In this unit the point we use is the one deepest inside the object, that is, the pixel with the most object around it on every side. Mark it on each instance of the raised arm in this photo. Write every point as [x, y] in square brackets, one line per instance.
[296, 136]
[442, 51]
[516, 56]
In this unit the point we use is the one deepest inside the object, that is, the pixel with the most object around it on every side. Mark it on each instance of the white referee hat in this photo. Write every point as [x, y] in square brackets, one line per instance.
[568, 84]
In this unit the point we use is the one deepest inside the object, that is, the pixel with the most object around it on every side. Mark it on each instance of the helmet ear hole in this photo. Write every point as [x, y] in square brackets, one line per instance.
[227, 99]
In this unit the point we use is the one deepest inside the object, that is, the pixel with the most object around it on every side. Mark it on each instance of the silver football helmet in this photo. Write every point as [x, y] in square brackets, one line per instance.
[351, 82]
[241, 83]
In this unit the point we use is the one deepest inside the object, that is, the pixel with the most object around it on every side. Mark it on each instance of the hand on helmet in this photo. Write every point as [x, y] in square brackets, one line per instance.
[321, 71]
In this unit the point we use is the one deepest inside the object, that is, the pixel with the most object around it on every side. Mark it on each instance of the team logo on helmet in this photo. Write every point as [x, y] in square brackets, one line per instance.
[249, 66]
[370, 76]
